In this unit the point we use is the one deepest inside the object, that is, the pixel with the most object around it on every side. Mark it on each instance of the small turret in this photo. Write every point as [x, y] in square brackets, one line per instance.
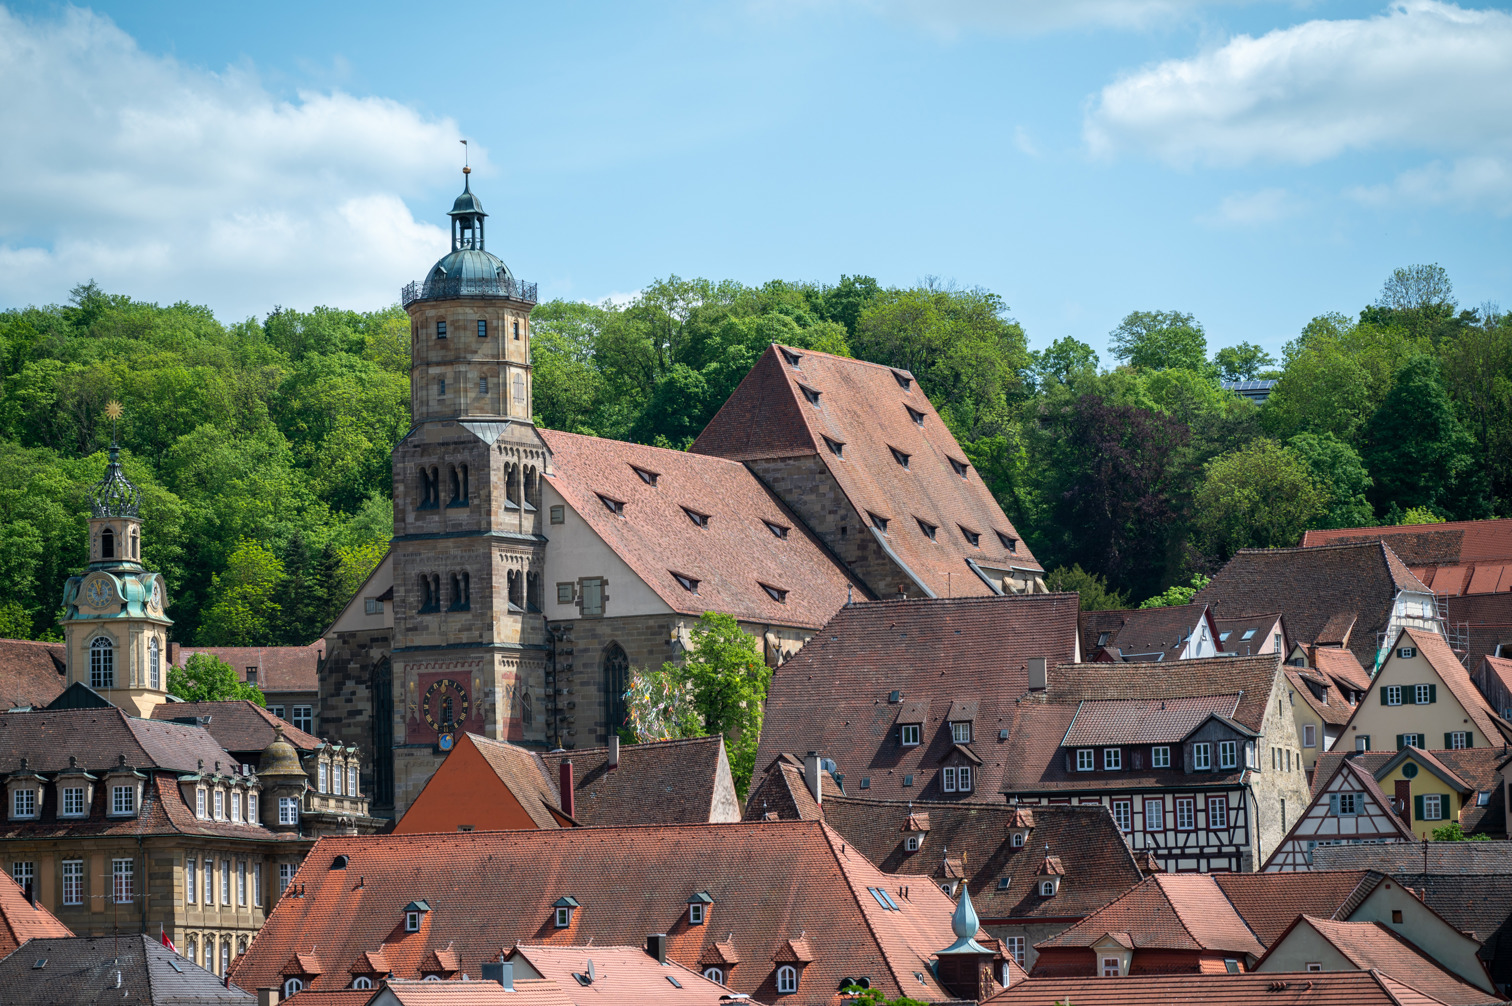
[966, 967]
[284, 782]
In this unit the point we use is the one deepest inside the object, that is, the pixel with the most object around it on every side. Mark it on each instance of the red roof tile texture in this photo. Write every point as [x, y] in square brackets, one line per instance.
[1141, 633]
[1459, 557]
[31, 673]
[1341, 666]
[1271, 902]
[662, 782]
[622, 976]
[835, 695]
[1168, 912]
[279, 668]
[770, 882]
[1353, 988]
[731, 555]
[1321, 695]
[1144, 721]
[866, 407]
[1487, 619]
[20, 920]
[241, 727]
[1372, 946]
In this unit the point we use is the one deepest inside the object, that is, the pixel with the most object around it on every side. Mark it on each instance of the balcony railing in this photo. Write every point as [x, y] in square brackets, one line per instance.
[448, 289]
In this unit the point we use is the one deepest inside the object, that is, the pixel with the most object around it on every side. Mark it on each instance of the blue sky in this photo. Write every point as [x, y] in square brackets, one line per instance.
[1256, 164]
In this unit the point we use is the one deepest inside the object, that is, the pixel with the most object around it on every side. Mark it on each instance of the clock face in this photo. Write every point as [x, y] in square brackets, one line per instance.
[445, 704]
[157, 594]
[99, 592]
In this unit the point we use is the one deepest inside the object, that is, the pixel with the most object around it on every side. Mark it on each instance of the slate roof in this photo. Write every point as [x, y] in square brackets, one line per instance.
[661, 782]
[866, 407]
[1098, 866]
[20, 920]
[1348, 988]
[279, 668]
[731, 556]
[833, 696]
[31, 673]
[1313, 585]
[1458, 557]
[240, 726]
[623, 976]
[771, 882]
[83, 969]
[1144, 721]
[1142, 634]
[1186, 911]
[1477, 767]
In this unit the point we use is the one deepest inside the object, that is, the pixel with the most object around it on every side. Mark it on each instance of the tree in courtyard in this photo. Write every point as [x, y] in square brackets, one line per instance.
[206, 678]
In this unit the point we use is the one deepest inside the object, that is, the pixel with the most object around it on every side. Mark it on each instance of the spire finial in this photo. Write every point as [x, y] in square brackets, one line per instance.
[113, 412]
[466, 166]
[963, 921]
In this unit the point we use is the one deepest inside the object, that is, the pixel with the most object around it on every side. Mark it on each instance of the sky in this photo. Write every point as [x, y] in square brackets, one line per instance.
[1254, 163]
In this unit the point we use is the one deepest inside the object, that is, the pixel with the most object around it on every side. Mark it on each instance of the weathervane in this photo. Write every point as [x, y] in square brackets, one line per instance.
[113, 412]
[466, 167]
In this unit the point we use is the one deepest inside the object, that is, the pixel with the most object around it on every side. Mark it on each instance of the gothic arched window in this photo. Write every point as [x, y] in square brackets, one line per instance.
[107, 544]
[516, 591]
[616, 668]
[101, 663]
[154, 664]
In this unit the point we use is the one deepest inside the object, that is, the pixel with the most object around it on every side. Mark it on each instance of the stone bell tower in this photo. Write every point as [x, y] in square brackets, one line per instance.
[114, 629]
[469, 644]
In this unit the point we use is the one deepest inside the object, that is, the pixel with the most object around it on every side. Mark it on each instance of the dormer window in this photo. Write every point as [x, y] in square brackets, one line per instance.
[75, 801]
[412, 915]
[915, 415]
[614, 506]
[775, 593]
[912, 843]
[960, 733]
[695, 915]
[647, 477]
[972, 538]
[899, 457]
[810, 394]
[836, 447]
[904, 381]
[777, 529]
[959, 467]
[23, 803]
[123, 800]
[928, 528]
[699, 519]
[790, 357]
[220, 804]
[1008, 541]
[955, 779]
[563, 909]
[1103, 637]
[880, 523]
[698, 908]
[908, 735]
[1018, 840]
[688, 583]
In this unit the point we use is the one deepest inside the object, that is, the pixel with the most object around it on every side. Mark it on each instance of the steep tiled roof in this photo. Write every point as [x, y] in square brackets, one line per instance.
[623, 976]
[1258, 626]
[526, 775]
[1475, 767]
[835, 695]
[731, 554]
[1498, 669]
[1372, 946]
[1145, 634]
[1144, 721]
[1097, 863]
[1253, 676]
[20, 920]
[770, 882]
[865, 407]
[1270, 902]
[83, 969]
[1467, 859]
[1349, 988]
[1459, 557]
[1487, 619]
[279, 668]
[1453, 674]
[240, 726]
[1341, 666]
[1167, 912]
[1326, 701]
[1312, 585]
[527, 992]
[663, 782]
[31, 673]
[1479, 906]
[98, 737]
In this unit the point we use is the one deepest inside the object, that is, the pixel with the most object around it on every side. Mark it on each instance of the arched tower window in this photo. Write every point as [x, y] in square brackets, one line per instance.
[461, 592]
[101, 663]
[532, 591]
[616, 667]
[154, 665]
[516, 591]
[107, 544]
[512, 484]
[136, 551]
[532, 487]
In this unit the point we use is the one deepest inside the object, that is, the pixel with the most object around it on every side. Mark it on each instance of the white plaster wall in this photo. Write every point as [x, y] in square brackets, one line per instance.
[574, 550]
[1426, 928]
[354, 616]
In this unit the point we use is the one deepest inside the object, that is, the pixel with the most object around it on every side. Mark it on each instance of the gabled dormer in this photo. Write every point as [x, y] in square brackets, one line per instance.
[414, 915]
[1020, 825]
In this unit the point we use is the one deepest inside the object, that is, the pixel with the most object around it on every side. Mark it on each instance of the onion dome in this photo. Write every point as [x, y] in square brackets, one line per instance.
[114, 495]
[964, 923]
[279, 758]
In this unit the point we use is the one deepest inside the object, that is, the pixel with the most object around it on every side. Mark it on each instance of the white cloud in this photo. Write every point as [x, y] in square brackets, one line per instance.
[168, 182]
[950, 18]
[1250, 209]
[1422, 76]
[1467, 183]
[1024, 142]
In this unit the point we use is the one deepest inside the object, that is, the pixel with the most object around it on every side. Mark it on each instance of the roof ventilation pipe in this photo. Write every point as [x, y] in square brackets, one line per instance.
[813, 767]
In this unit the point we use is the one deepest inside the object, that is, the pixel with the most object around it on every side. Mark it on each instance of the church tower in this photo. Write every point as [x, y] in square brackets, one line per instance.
[114, 629]
[469, 644]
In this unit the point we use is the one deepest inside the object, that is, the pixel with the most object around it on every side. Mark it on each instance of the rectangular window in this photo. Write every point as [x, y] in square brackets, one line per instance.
[1160, 757]
[960, 733]
[24, 874]
[338, 778]
[285, 876]
[73, 802]
[1202, 756]
[252, 817]
[1085, 759]
[73, 881]
[948, 779]
[1344, 804]
[236, 808]
[1433, 807]
[1015, 945]
[516, 329]
[1110, 967]
[225, 897]
[441, 387]
[257, 885]
[1112, 759]
[24, 803]
[1186, 813]
[1457, 739]
[908, 735]
[123, 875]
[209, 881]
[558, 515]
[564, 593]
[1391, 695]
[593, 596]
[325, 784]
[241, 882]
[440, 329]
[123, 799]
[1409, 741]
[1154, 814]
[482, 328]
[1217, 812]
[1123, 814]
[288, 810]
[1422, 694]
[191, 880]
[963, 778]
[1362, 742]
[220, 805]
[483, 386]
[1309, 735]
[1228, 754]
[304, 718]
[373, 606]
[277, 711]
[1407, 652]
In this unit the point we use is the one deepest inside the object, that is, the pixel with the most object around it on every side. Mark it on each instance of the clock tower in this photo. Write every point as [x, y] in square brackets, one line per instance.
[115, 632]
[469, 645]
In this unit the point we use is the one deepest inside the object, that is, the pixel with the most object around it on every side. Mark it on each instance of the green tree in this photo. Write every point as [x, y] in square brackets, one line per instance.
[1095, 595]
[1174, 596]
[1417, 449]
[1338, 473]
[1452, 832]
[1243, 362]
[1420, 515]
[1478, 376]
[1156, 340]
[244, 598]
[207, 678]
[1063, 359]
[1260, 496]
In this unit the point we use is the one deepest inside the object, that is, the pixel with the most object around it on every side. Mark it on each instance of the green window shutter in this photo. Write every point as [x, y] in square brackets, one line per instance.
[1432, 693]
[1333, 804]
[1382, 689]
[1401, 741]
[1409, 695]
[1469, 738]
[1448, 741]
[1417, 807]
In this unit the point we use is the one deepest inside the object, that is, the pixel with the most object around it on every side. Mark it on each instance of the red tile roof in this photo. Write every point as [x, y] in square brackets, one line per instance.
[1144, 721]
[1270, 902]
[1253, 677]
[730, 556]
[1351, 988]
[660, 782]
[1185, 911]
[622, 976]
[1487, 618]
[865, 407]
[31, 673]
[1475, 768]
[1459, 557]
[20, 920]
[835, 695]
[1341, 666]
[1147, 634]
[241, 727]
[771, 882]
[525, 774]
[279, 668]
[527, 992]
[1321, 696]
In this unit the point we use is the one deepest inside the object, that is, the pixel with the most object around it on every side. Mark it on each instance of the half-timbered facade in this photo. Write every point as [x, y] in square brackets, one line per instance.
[1348, 809]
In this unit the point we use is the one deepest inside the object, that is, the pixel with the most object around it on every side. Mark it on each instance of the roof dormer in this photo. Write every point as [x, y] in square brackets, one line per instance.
[563, 910]
[698, 908]
[414, 914]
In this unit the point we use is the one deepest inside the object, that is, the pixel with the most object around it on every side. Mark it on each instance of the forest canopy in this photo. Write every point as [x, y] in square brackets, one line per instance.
[262, 447]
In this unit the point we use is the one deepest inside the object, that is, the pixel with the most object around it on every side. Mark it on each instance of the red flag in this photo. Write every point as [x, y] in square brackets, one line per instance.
[163, 938]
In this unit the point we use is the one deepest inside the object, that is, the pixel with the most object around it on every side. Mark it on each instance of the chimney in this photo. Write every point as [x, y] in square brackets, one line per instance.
[267, 997]
[656, 946]
[500, 971]
[813, 765]
[566, 785]
[1036, 674]
[614, 750]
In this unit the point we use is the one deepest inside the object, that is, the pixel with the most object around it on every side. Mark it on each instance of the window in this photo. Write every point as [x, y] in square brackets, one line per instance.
[1409, 741]
[956, 779]
[73, 801]
[123, 799]
[362, 982]
[440, 329]
[1202, 756]
[1154, 814]
[1362, 742]
[836, 447]
[687, 583]
[324, 777]
[209, 893]
[645, 476]
[122, 872]
[257, 885]
[241, 882]
[810, 394]
[695, 915]
[564, 593]
[291, 986]
[1086, 759]
[880, 523]
[1111, 968]
[1112, 759]
[285, 876]
[1314, 966]
[698, 519]
[948, 779]
[791, 358]
[787, 979]
[963, 778]
[73, 882]
[1344, 804]
[516, 329]
[1047, 888]
[24, 874]
[959, 467]
[288, 810]
[900, 457]
[441, 387]
[1231, 966]
[563, 918]
[1217, 812]
[1160, 757]
[775, 593]
[911, 843]
[225, 894]
[1422, 694]
[1223, 636]
[220, 805]
[1309, 735]
[1018, 840]
[101, 663]
[236, 808]
[482, 386]
[24, 803]
[1433, 807]
[252, 817]
[482, 328]
[155, 665]
[351, 780]
[1186, 813]
[304, 717]
[277, 711]
[777, 529]
[593, 596]
[1228, 754]
[614, 506]
[558, 515]
[915, 415]
[1391, 695]
[904, 381]
[928, 528]
[1123, 814]
[1015, 947]
[1457, 739]
[960, 733]
[1407, 652]
[714, 975]
[191, 880]
[373, 606]
[908, 734]
[1008, 542]
[972, 538]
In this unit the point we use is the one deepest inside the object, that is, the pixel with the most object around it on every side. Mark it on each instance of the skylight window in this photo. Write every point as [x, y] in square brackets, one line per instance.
[960, 467]
[776, 529]
[810, 394]
[647, 477]
[1009, 542]
[972, 538]
[614, 506]
[884, 899]
[1248, 634]
[791, 357]
[915, 415]
[701, 519]
[899, 457]
[1223, 636]
[836, 447]
[880, 523]
[687, 583]
[904, 381]
[775, 593]
[928, 528]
